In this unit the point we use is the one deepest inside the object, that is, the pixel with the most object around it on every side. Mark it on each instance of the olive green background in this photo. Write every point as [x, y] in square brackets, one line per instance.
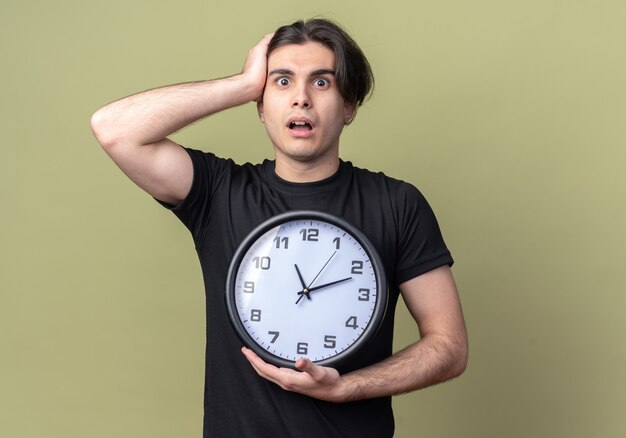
[509, 116]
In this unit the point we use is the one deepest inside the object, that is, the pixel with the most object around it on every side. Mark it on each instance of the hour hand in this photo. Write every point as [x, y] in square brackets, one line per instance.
[300, 277]
[304, 290]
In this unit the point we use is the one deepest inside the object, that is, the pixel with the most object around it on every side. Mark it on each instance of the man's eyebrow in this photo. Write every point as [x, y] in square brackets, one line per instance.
[287, 72]
[323, 71]
[281, 71]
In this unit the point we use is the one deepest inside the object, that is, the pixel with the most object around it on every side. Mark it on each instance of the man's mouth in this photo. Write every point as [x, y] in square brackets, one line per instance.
[300, 125]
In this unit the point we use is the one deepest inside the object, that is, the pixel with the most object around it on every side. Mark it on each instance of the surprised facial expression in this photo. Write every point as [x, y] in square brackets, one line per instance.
[302, 109]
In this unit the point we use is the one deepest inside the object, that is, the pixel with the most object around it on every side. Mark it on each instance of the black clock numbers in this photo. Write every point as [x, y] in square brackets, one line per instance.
[262, 262]
[303, 348]
[329, 342]
[357, 267]
[364, 294]
[310, 234]
[307, 235]
[274, 336]
[281, 242]
[352, 323]
[255, 315]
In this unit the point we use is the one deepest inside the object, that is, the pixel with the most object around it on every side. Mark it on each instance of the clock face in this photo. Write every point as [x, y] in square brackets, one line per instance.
[306, 284]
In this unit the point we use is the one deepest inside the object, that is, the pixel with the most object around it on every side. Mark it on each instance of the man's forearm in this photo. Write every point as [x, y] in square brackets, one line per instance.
[440, 354]
[152, 115]
[429, 361]
[148, 117]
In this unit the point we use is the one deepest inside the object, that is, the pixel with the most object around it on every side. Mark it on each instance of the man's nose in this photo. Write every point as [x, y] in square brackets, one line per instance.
[301, 98]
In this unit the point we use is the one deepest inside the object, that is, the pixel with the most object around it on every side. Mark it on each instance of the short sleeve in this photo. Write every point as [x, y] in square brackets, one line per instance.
[421, 247]
[208, 172]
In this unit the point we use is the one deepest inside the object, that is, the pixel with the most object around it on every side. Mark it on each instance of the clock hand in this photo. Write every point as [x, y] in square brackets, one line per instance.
[307, 289]
[300, 277]
[321, 286]
[318, 274]
[303, 293]
[304, 289]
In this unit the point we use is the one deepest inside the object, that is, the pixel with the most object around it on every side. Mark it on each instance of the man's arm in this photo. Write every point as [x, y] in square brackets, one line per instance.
[133, 131]
[439, 355]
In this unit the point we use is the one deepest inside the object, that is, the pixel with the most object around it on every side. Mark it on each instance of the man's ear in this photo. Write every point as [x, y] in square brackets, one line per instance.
[349, 112]
[259, 109]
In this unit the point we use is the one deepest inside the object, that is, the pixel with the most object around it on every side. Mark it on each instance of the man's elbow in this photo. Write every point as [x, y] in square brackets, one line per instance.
[460, 355]
[101, 127]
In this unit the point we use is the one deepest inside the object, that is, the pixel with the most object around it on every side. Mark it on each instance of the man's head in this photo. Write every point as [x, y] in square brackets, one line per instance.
[316, 78]
[353, 73]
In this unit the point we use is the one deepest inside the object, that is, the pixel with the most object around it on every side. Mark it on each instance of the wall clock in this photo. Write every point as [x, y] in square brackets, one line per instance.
[306, 284]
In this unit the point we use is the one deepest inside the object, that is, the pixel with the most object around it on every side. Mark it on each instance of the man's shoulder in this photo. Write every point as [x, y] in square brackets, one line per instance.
[210, 161]
[378, 177]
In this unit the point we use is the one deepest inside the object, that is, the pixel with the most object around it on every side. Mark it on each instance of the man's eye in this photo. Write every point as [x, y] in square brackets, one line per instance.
[283, 82]
[321, 82]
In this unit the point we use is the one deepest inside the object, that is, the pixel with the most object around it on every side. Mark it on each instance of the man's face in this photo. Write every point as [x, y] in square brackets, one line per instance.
[302, 109]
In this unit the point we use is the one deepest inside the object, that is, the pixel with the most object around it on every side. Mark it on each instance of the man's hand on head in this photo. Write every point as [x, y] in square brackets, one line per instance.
[255, 66]
[319, 382]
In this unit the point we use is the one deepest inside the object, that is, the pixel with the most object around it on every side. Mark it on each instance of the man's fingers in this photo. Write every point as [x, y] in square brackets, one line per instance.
[283, 377]
[255, 66]
[308, 378]
[266, 38]
[306, 366]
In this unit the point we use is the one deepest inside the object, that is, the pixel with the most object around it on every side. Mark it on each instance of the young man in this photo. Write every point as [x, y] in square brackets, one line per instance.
[308, 80]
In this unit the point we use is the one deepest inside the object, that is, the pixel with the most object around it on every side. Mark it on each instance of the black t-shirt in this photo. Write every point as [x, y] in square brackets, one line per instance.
[225, 203]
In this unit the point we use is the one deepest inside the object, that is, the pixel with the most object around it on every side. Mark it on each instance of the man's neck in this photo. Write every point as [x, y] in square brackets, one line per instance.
[302, 172]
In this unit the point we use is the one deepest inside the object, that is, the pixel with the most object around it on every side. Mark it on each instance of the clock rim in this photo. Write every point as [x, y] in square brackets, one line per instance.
[380, 308]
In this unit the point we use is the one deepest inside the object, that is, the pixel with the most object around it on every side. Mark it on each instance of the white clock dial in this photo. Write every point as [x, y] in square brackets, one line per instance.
[305, 287]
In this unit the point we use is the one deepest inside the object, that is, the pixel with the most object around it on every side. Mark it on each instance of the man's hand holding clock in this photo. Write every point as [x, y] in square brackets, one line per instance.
[316, 381]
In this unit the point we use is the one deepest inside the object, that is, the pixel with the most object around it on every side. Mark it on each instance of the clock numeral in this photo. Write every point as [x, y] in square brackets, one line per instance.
[248, 287]
[310, 234]
[261, 262]
[281, 242]
[275, 336]
[255, 315]
[365, 294]
[337, 242]
[357, 267]
[351, 322]
[330, 341]
[303, 348]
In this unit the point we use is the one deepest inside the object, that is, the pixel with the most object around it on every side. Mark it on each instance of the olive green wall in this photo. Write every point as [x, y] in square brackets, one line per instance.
[509, 115]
